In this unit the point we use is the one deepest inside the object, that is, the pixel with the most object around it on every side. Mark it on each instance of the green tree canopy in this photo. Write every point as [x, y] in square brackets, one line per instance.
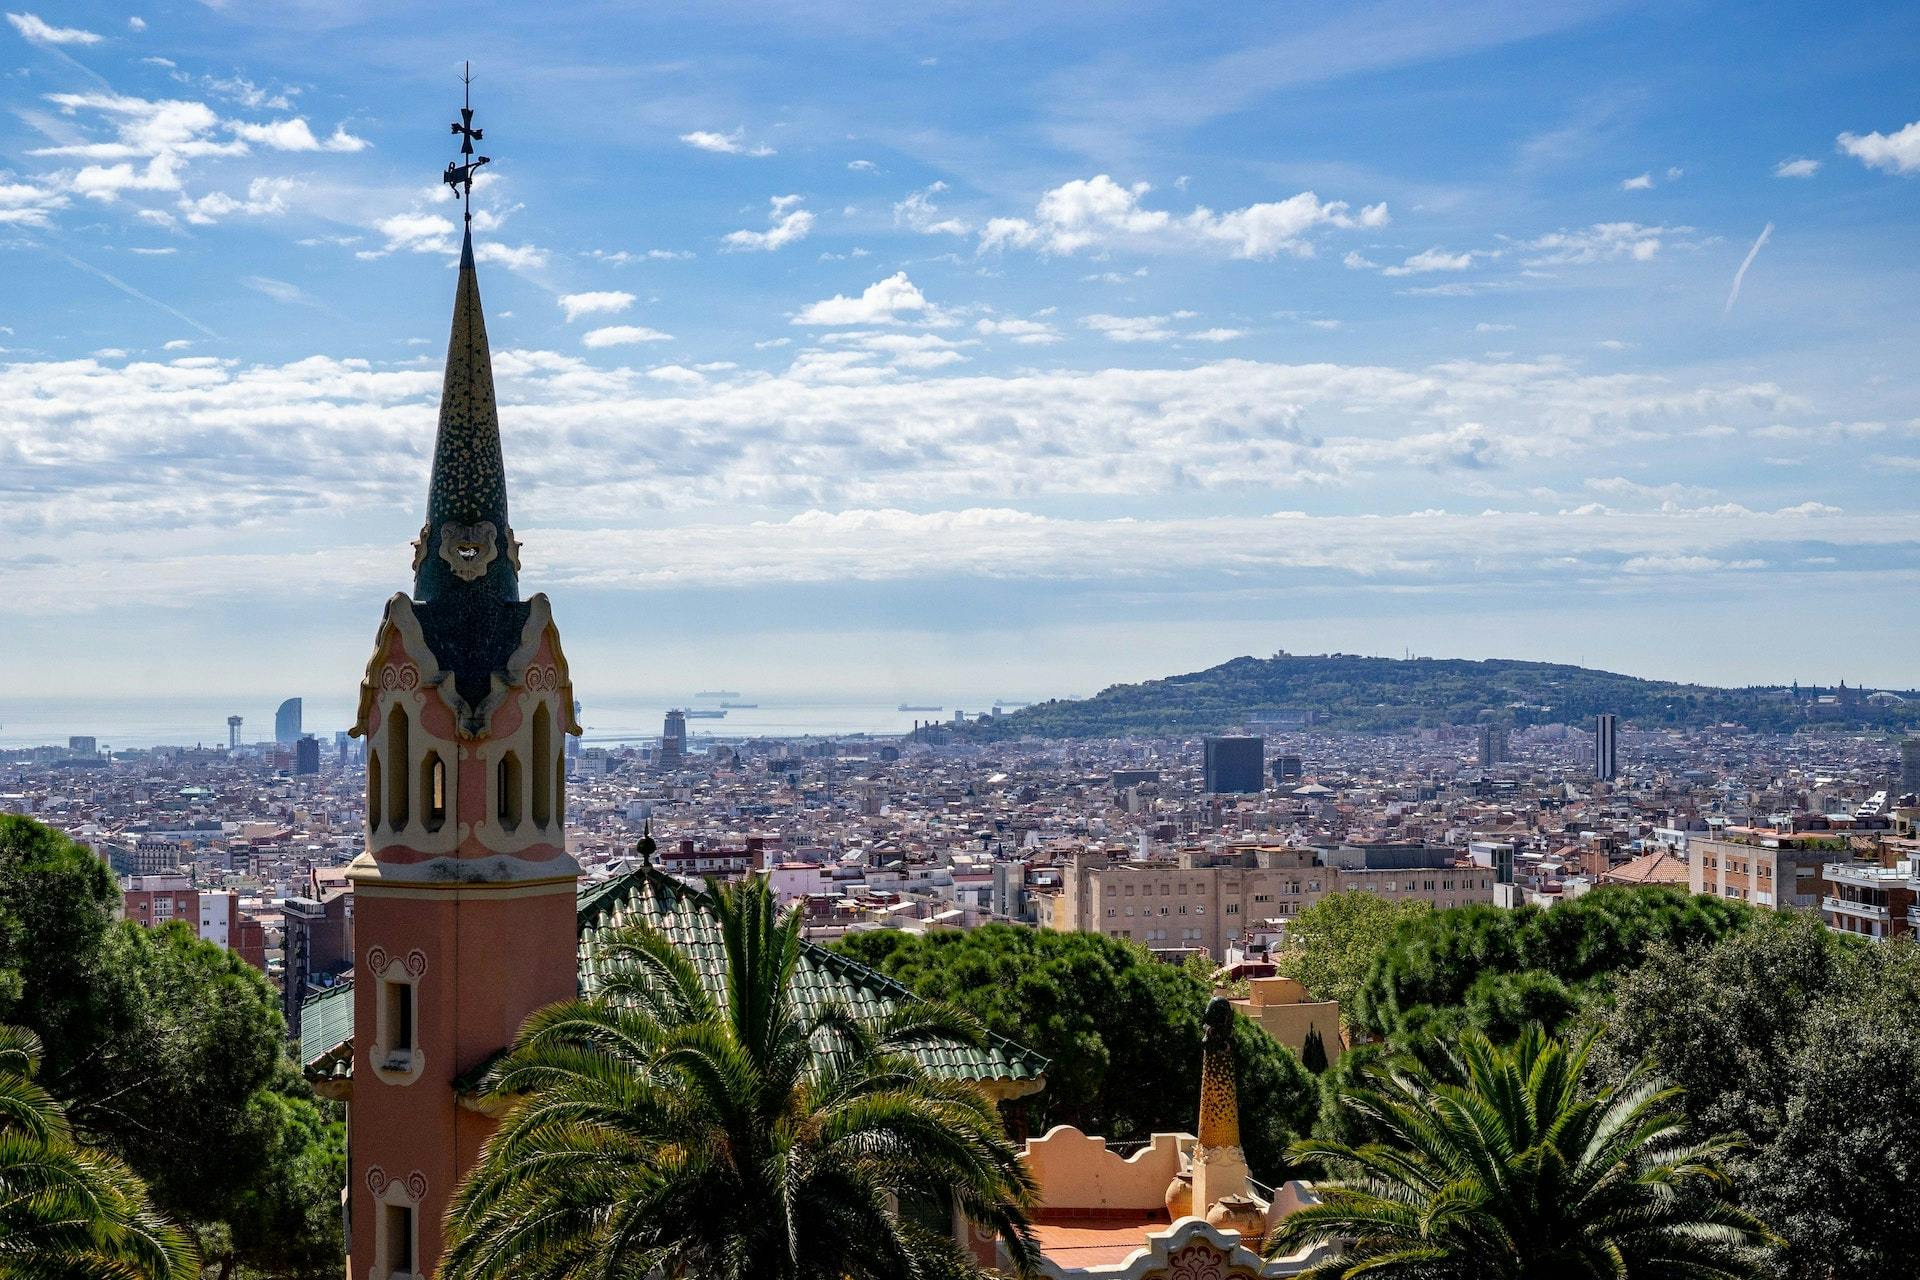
[1498, 971]
[1333, 945]
[1506, 1167]
[1807, 1042]
[168, 1052]
[66, 1211]
[658, 1130]
[1121, 1029]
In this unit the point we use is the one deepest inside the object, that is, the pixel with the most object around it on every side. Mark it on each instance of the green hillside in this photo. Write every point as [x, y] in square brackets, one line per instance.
[1345, 691]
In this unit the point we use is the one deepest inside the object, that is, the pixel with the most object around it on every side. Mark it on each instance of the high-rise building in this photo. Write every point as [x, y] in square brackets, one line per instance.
[1233, 764]
[673, 740]
[1910, 766]
[306, 755]
[573, 739]
[1606, 747]
[1493, 744]
[1287, 769]
[233, 732]
[286, 723]
[464, 900]
[83, 746]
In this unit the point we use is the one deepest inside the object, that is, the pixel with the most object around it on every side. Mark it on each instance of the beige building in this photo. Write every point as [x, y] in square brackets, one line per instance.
[1201, 900]
[1281, 1007]
[1776, 869]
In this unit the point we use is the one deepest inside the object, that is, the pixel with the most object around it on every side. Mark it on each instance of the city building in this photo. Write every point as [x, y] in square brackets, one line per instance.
[1766, 867]
[155, 900]
[1287, 769]
[306, 755]
[673, 740]
[286, 723]
[1606, 747]
[1910, 766]
[233, 732]
[1869, 900]
[1493, 745]
[1200, 901]
[316, 946]
[83, 746]
[1234, 765]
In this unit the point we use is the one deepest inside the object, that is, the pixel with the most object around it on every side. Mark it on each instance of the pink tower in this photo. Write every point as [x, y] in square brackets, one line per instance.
[464, 899]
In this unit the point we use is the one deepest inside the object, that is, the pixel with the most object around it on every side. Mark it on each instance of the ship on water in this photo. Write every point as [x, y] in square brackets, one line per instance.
[741, 706]
[706, 715]
[718, 693]
[906, 707]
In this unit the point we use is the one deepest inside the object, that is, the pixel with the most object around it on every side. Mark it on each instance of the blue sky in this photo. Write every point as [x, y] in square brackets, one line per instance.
[1003, 349]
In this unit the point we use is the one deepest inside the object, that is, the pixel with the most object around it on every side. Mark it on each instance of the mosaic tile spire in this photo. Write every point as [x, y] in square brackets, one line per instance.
[467, 544]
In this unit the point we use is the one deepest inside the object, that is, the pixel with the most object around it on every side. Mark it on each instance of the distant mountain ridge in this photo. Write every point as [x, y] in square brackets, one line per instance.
[1346, 691]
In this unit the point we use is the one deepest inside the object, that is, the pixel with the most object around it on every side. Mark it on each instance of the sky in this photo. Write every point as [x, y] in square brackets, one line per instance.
[994, 349]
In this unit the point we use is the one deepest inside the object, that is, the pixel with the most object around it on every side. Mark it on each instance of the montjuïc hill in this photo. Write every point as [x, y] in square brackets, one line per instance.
[1342, 691]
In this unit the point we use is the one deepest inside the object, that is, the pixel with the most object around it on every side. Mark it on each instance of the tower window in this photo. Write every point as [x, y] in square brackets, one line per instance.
[373, 790]
[399, 1251]
[507, 788]
[542, 779]
[398, 753]
[399, 1028]
[560, 788]
[433, 790]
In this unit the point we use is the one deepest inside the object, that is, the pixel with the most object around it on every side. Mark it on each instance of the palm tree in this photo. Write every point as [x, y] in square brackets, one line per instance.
[66, 1211]
[657, 1127]
[1517, 1173]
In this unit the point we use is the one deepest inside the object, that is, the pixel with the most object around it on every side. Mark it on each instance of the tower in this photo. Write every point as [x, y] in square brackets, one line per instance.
[464, 918]
[1606, 748]
[673, 740]
[286, 723]
[233, 732]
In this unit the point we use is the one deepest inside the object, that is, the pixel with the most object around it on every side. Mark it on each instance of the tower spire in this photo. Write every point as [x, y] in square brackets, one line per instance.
[467, 544]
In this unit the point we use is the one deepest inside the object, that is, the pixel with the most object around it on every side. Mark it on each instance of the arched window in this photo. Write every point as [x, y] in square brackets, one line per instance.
[373, 791]
[507, 783]
[397, 756]
[542, 779]
[560, 788]
[433, 791]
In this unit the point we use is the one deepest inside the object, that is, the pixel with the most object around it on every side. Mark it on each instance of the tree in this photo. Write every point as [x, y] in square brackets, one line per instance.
[659, 1128]
[1313, 1053]
[1335, 942]
[66, 1210]
[169, 1053]
[1807, 1042]
[1506, 1167]
[1498, 971]
[1120, 1029]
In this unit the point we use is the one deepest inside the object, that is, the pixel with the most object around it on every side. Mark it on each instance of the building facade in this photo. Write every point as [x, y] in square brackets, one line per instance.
[1204, 902]
[1606, 747]
[1775, 869]
[1235, 765]
[286, 723]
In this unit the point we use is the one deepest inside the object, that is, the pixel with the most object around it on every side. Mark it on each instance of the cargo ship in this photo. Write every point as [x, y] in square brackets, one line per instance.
[718, 693]
[706, 715]
[906, 707]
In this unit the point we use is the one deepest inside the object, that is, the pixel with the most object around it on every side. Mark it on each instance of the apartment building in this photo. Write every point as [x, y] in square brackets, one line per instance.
[1768, 868]
[1205, 900]
[214, 916]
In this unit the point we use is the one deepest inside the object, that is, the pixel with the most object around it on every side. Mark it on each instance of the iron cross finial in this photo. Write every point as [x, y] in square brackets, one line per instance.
[460, 176]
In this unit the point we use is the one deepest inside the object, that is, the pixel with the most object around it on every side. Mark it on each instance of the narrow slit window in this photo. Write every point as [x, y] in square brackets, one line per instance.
[507, 784]
[542, 780]
[373, 790]
[398, 753]
[433, 790]
[399, 1239]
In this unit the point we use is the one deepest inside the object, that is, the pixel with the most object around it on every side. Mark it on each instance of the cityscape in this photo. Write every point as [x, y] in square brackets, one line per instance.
[573, 914]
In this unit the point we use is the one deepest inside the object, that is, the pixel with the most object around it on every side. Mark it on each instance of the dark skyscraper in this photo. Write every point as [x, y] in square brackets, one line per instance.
[1910, 766]
[286, 723]
[1606, 750]
[306, 755]
[1287, 769]
[1234, 764]
[233, 732]
[673, 742]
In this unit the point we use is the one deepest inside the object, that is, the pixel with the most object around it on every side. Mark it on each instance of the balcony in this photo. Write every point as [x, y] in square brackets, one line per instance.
[1865, 910]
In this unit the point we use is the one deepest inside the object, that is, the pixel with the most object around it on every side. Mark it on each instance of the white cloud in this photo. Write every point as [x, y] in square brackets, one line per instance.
[1796, 168]
[726, 144]
[1603, 241]
[136, 23]
[787, 223]
[1897, 152]
[1437, 259]
[1099, 214]
[1130, 328]
[919, 213]
[295, 135]
[414, 233]
[278, 290]
[32, 28]
[863, 166]
[1642, 183]
[886, 301]
[178, 344]
[25, 204]
[1217, 335]
[1488, 326]
[265, 197]
[622, 335]
[1031, 333]
[607, 302]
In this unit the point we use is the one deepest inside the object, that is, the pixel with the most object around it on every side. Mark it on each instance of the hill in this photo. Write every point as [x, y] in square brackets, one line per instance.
[1346, 691]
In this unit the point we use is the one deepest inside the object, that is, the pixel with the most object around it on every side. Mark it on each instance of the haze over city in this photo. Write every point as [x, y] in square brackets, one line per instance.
[990, 350]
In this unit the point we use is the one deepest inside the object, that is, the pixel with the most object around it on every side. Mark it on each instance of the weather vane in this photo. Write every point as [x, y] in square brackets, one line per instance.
[460, 176]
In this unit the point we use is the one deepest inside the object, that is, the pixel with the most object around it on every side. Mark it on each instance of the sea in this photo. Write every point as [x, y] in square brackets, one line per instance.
[151, 722]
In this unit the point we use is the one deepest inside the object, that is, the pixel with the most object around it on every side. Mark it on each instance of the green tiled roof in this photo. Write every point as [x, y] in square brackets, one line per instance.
[685, 916]
[326, 1029]
[822, 976]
